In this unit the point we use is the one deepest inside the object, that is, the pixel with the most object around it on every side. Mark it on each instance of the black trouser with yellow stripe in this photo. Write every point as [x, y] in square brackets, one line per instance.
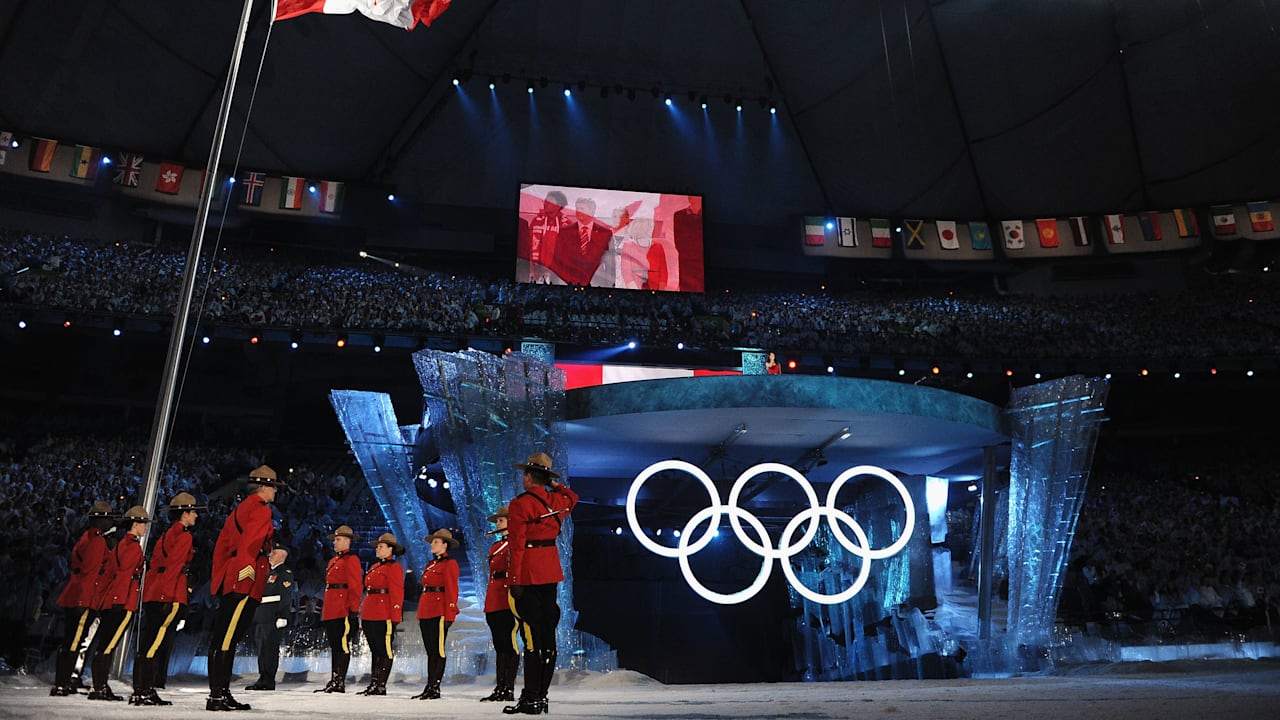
[111, 628]
[235, 615]
[159, 623]
[75, 628]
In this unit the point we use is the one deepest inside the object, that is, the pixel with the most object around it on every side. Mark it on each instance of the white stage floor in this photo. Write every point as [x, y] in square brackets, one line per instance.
[1242, 689]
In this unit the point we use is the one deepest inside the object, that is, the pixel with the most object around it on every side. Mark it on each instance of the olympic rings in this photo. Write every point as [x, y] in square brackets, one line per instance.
[860, 546]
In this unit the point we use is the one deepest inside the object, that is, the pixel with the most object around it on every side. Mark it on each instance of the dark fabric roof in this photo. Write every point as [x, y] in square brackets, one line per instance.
[918, 108]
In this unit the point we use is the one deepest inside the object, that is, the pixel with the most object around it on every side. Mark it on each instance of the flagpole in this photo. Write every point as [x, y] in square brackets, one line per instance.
[164, 407]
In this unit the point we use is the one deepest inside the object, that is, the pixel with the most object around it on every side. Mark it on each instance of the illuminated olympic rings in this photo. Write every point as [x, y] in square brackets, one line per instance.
[859, 546]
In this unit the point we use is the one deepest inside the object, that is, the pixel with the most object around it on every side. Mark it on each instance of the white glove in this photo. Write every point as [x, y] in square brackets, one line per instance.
[181, 624]
[281, 622]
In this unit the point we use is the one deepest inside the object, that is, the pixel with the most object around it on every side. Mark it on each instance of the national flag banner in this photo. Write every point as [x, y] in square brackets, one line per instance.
[815, 231]
[947, 237]
[1260, 216]
[128, 170]
[1188, 226]
[980, 236]
[251, 184]
[848, 236]
[1079, 225]
[85, 161]
[401, 13]
[6, 139]
[1150, 223]
[291, 189]
[1013, 237]
[1048, 229]
[42, 151]
[880, 235]
[1224, 220]
[913, 234]
[1115, 229]
[169, 179]
[331, 196]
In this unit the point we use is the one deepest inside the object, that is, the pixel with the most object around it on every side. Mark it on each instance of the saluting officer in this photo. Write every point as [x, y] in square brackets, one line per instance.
[535, 517]
[272, 617]
[340, 613]
[79, 601]
[165, 590]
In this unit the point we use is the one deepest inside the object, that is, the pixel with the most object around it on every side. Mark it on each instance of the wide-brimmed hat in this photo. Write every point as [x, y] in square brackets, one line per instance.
[101, 509]
[137, 513]
[442, 534]
[185, 501]
[501, 512]
[343, 531]
[540, 462]
[389, 539]
[264, 475]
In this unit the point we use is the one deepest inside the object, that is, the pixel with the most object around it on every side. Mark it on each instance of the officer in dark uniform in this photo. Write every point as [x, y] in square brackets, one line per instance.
[272, 617]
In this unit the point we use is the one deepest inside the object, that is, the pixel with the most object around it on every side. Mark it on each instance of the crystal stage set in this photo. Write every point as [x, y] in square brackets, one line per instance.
[749, 527]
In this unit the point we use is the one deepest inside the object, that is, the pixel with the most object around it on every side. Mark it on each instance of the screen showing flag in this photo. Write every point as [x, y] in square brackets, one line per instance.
[609, 238]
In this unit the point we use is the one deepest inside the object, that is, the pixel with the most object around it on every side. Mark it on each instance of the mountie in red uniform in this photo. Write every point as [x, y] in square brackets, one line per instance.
[343, 579]
[534, 523]
[495, 595]
[240, 562]
[124, 592]
[88, 564]
[439, 589]
[384, 592]
[167, 580]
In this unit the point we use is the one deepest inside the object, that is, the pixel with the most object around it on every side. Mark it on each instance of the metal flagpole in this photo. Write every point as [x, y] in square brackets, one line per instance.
[168, 389]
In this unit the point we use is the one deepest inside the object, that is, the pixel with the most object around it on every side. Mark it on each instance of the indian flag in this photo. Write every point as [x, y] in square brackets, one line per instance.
[291, 189]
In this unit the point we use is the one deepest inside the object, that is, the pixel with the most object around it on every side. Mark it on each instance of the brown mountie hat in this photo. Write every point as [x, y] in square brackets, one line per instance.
[343, 531]
[137, 513]
[101, 509]
[389, 539]
[264, 475]
[185, 501]
[540, 462]
[442, 534]
[502, 512]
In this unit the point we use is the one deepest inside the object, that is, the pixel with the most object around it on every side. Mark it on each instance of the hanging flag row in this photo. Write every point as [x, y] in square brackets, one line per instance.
[127, 171]
[1076, 235]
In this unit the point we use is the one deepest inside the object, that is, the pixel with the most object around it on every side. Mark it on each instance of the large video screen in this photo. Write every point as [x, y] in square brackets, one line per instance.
[609, 238]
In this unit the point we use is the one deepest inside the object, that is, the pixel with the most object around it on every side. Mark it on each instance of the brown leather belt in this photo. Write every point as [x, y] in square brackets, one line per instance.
[550, 542]
[336, 586]
[432, 588]
[377, 591]
[500, 575]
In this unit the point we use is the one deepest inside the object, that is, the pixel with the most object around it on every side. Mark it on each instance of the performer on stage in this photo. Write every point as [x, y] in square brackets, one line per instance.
[240, 569]
[497, 613]
[79, 599]
[165, 590]
[340, 613]
[272, 617]
[121, 601]
[437, 608]
[382, 611]
[534, 521]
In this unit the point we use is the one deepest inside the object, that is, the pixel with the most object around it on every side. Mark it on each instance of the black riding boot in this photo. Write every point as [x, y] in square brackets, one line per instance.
[435, 673]
[508, 663]
[66, 664]
[529, 703]
[101, 672]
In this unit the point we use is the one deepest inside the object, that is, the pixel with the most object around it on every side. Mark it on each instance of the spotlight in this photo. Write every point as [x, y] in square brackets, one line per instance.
[377, 348]
[773, 109]
[342, 342]
[738, 106]
[492, 84]
[67, 324]
[293, 345]
[791, 364]
[391, 197]
[22, 324]
[205, 340]
[617, 531]
[116, 332]
[253, 340]
[530, 87]
[106, 159]
[311, 189]
[15, 143]
[567, 92]
[668, 101]
[631, 345]
[679, 346]
[456, 82]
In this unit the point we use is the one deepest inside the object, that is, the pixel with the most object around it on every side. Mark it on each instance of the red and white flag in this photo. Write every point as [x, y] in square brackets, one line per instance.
[1115, 228]
[330, 196]
[1224, 220]
[401, 13]
[169, 179]
[947, 237]
[1013, 237]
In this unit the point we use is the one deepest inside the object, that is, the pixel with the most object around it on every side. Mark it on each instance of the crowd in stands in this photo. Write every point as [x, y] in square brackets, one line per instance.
[1228, 316]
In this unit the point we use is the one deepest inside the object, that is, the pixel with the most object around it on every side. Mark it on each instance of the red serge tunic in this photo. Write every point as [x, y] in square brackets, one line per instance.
[384, 592]
[88, 560]
[126, 583]
[240, 562]
[534, 557]
[495, 596]
[166, 577]
[439, 589]
[343, 579]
